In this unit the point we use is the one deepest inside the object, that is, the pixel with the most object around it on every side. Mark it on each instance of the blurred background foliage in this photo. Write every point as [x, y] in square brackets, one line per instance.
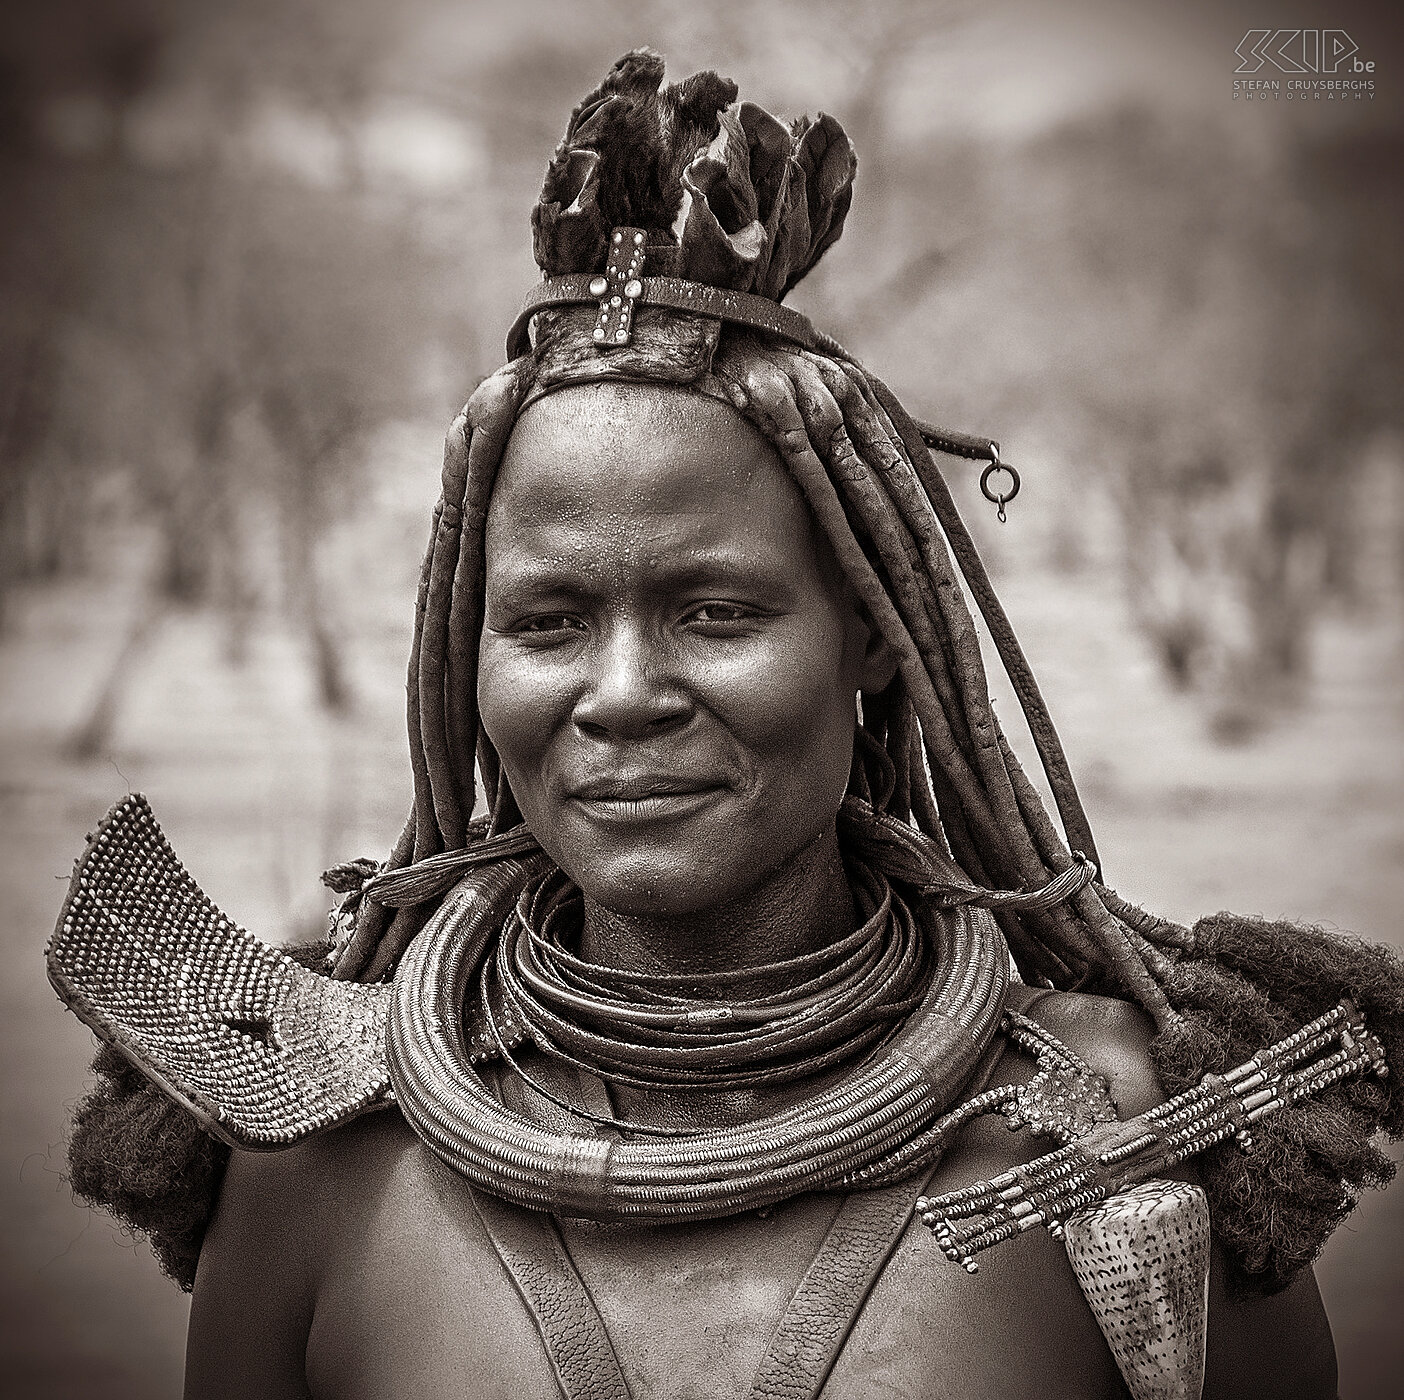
[239, 241]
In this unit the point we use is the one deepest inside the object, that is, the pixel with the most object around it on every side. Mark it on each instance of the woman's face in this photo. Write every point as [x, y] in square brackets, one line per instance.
[668, 662]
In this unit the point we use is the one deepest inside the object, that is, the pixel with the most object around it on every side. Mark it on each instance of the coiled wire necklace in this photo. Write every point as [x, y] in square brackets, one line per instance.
[909, 1002]
[654, 1031]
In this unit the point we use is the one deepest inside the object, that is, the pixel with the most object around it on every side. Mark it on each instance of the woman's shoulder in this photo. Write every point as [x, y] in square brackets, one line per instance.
[317, 1188]
[1112, 1036]
[297, 1195]
[279, 1223]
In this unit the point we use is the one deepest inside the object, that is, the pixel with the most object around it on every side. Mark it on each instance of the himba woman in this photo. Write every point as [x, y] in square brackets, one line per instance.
[761, 941]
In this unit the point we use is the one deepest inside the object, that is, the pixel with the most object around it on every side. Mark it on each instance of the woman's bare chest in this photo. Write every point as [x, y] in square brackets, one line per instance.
[421, 1304]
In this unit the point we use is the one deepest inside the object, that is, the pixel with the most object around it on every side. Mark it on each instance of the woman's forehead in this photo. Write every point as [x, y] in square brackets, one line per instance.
[609, 475]
[618, 402]
[613, 446]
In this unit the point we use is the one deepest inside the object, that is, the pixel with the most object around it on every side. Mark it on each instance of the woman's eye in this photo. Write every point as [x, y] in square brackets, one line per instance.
[546, 624]
[721, 613]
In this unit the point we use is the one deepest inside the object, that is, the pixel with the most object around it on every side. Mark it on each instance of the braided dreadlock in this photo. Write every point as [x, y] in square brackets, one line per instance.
[757, 204]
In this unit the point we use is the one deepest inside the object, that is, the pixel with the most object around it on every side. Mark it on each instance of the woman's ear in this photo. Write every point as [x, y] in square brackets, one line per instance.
[878, 664]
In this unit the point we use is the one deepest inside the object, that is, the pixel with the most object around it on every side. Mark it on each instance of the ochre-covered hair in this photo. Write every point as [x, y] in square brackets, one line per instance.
[728, 196]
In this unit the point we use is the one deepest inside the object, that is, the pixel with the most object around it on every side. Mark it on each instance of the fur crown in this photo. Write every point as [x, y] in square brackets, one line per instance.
[744, 202]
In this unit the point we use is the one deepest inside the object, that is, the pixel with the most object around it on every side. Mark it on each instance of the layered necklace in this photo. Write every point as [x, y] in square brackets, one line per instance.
[654, 1030]
[908, 1003]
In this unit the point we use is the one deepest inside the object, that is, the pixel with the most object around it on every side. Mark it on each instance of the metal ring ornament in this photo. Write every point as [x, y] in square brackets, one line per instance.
[1000, 499]
[863, 1120]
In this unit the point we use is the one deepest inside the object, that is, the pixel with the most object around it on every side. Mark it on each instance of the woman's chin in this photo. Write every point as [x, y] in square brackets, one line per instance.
[686, 864]
[659, 883]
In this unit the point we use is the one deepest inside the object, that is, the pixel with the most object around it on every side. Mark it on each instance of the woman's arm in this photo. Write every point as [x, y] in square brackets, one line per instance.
[1277, 1346]
[252, 1306]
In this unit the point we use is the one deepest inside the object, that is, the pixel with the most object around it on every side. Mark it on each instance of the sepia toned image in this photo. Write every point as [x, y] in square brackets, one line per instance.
[743, 1026]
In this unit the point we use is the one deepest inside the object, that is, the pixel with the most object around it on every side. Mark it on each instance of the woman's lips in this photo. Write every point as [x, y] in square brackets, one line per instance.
[641, 802]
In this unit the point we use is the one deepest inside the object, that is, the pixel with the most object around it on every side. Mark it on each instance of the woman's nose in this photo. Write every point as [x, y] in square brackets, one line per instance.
[631, 692]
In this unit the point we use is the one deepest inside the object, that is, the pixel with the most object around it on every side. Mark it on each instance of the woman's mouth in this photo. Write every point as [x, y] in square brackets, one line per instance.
[643, 798]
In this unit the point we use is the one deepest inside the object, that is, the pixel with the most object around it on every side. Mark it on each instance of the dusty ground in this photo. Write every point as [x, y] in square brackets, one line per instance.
[258, 794]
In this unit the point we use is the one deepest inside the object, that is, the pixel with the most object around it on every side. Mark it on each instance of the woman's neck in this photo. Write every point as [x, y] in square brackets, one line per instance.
[803, 905]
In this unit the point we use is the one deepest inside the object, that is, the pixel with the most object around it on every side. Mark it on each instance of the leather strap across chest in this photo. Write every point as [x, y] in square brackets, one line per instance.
[812, 1331]
[572, 1330]
[803, 1348]
[826, 1304]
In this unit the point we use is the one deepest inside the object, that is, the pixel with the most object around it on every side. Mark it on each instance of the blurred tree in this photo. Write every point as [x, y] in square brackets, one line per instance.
[1244, 400]
[192, 241]
[1206, 331]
